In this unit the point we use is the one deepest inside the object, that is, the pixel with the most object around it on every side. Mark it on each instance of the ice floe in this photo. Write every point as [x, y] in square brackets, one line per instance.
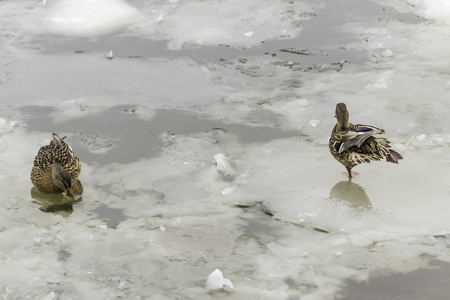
[226, 22]
[245, 183]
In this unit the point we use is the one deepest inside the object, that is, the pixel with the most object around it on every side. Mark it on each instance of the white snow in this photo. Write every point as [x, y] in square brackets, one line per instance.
[437, 10]
[89, 17]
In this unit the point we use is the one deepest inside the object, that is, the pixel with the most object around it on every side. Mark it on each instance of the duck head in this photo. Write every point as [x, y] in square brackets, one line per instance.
[342, 116]
[63, 180]
[57, 140]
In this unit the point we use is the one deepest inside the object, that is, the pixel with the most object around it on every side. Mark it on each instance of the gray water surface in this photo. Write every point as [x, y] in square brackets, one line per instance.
[134, 138]
[215, 155]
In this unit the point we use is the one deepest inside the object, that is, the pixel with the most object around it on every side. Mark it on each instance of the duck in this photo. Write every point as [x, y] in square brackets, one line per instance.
[56, 168]
[352, 145]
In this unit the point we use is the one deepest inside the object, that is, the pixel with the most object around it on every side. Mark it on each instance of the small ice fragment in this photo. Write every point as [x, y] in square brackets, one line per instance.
[304, 215]
[224, 165]
[162, 228]
[314, 122]
[249, 34]
[216, 281]
[229, 190]
[37, 241]
[388, 53]
[124, 285]
[421, 137]
[186, 163]
[160, 18]
[110, 55]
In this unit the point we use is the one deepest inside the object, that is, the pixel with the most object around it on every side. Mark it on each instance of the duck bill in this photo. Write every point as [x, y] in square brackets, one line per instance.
[70, 195]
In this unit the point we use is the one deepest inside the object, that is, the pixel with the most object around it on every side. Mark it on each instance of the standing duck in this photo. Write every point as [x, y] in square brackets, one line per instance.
[56, 168]
[352, 145]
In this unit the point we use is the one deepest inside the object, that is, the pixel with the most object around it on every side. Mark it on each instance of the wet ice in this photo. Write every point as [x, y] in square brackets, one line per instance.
[245, 184]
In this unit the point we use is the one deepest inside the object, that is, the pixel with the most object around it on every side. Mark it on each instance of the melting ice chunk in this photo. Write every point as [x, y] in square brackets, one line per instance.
[224, 166]
[229, 190]
[110, 55]
[216, 281]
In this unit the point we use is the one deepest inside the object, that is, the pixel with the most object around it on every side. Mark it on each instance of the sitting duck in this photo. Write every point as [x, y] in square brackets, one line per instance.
[56, 168]
[352, 145]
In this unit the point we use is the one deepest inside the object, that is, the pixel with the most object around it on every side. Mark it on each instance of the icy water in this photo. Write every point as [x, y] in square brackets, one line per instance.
[203, 142]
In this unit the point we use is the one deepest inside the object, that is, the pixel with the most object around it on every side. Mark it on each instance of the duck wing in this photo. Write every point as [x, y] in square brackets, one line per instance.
[357, 135]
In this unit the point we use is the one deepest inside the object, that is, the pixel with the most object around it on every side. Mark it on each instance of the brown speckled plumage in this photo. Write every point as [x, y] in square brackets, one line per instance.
[56, 168]
[352, 145]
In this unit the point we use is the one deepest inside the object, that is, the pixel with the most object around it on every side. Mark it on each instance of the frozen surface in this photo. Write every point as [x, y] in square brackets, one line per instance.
[233, 22]
[192, 164]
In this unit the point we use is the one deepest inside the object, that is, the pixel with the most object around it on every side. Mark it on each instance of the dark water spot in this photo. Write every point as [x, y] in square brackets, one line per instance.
[135, 138]
[113, 216]
[421, 284]
[318, 36]
[63, 254]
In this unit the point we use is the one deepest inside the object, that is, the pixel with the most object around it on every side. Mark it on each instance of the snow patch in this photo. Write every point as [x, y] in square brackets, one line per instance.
[90, 17]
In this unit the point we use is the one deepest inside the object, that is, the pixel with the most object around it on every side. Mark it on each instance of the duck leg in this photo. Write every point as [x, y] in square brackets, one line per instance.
[349, 170]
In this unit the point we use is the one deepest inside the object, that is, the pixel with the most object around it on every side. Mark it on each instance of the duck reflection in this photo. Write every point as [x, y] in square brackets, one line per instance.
[352, 193]
[56, 203]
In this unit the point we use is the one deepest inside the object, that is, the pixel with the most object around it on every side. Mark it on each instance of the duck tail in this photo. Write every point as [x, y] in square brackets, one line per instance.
[393, 156]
